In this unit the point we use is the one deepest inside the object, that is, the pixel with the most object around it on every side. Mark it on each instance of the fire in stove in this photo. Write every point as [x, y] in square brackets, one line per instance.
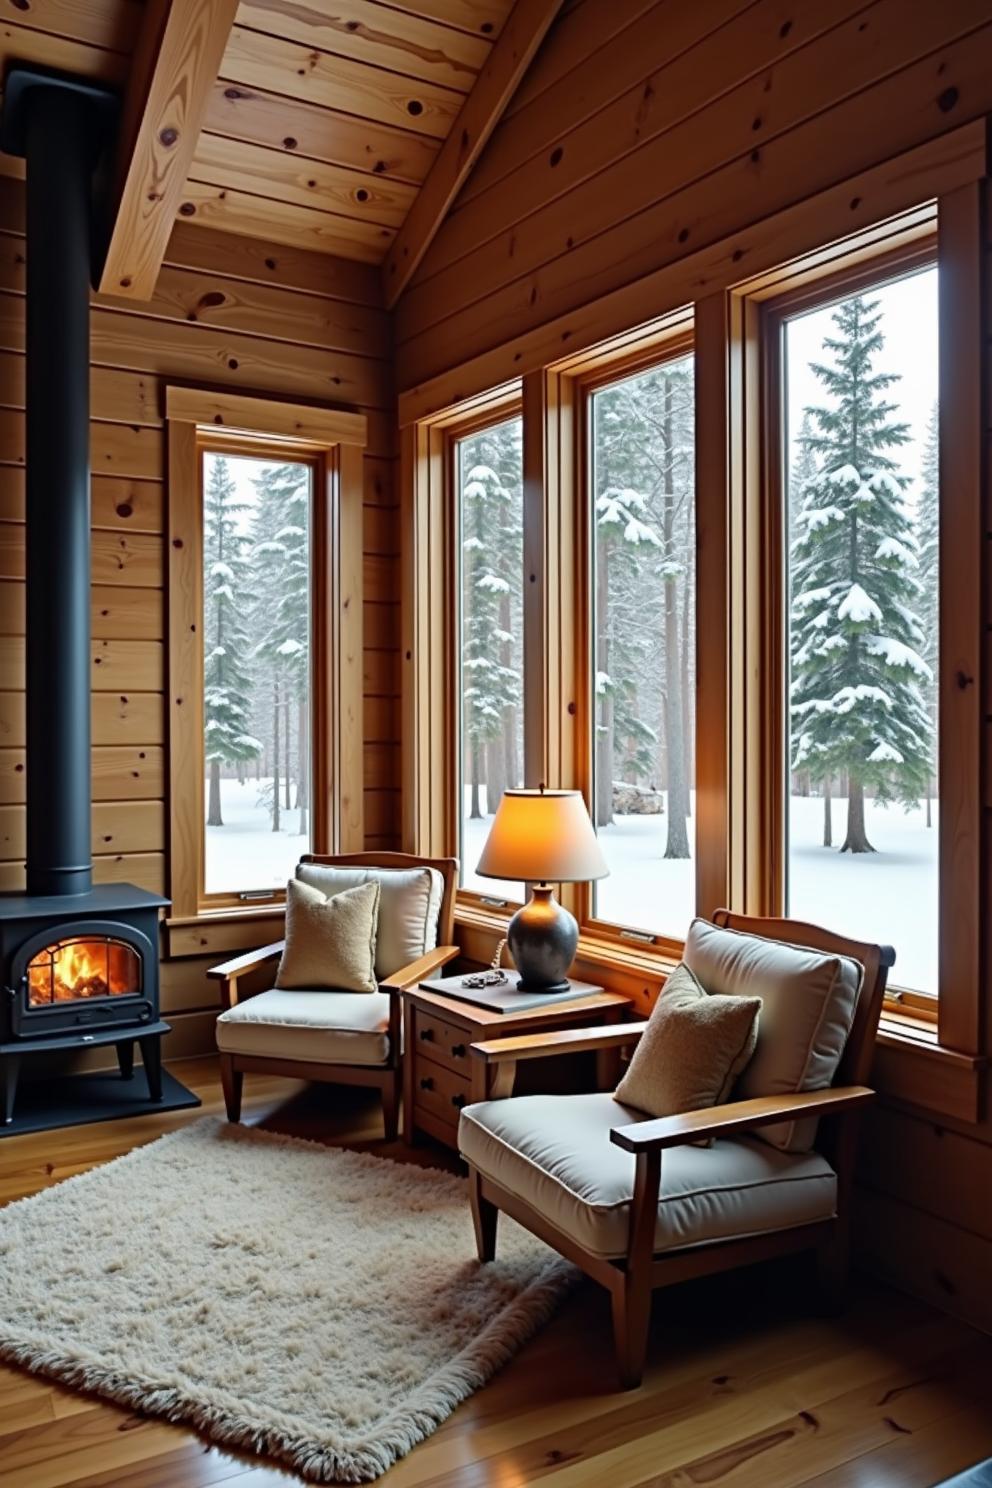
[75, 970]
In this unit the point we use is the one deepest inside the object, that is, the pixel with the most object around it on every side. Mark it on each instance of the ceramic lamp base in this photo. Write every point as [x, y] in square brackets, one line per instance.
[543, 938]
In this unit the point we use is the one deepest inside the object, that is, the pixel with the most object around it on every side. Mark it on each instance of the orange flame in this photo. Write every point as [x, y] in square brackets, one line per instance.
[74, 969]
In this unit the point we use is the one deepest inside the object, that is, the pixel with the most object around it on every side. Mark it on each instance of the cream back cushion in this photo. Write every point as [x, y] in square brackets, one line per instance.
[808, 1002]
[409, 907]
[692, 1050]
[330, 943]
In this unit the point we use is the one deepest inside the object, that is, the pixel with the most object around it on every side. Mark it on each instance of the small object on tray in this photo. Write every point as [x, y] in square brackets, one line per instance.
[503, 997]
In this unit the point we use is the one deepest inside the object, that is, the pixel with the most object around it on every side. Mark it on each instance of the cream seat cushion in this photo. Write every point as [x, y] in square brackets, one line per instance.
[555, 1153]
[316, 1027]
[808, 1002]
[409, 906]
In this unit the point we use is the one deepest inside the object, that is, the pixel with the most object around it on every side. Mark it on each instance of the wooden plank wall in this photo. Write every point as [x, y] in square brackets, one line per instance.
[647, 129]
[237, 314]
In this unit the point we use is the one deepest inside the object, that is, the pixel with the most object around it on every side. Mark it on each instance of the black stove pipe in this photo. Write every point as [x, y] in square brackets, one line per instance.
[59, 138]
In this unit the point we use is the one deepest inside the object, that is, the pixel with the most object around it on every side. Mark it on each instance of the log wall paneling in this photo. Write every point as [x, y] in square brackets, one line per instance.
[666, 148]
[242, 317]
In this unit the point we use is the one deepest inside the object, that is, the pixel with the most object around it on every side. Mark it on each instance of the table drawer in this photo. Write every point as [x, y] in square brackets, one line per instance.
[440, 1090]
[445, 1043]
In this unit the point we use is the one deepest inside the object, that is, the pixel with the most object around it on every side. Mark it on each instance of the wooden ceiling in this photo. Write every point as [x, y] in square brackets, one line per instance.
[325, 117]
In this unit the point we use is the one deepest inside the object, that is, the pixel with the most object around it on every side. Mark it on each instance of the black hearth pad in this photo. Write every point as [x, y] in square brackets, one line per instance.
[74, 1100]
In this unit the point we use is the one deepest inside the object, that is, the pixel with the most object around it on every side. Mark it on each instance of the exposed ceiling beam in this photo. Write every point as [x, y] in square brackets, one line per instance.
[480, 113]
[175, 65]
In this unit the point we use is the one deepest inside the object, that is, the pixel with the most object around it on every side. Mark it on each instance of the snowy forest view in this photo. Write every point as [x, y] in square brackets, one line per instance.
[860, 405]
[863, 513]
[256, 671]
[491, 517]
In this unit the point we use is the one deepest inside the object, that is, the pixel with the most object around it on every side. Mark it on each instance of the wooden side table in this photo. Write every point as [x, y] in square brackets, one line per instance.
[439, 1073]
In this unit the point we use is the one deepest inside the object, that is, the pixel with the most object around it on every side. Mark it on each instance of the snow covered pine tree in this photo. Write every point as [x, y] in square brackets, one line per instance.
[492, 536]
[281, 567]
[225, 663]
[858, 678]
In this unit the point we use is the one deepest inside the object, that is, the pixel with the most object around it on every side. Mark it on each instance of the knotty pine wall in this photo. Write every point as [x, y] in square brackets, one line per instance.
[229, 312]
[647, 129]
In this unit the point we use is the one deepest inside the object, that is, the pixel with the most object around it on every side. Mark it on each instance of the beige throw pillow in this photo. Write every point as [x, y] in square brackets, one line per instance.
[330, 943]
[692, 1050]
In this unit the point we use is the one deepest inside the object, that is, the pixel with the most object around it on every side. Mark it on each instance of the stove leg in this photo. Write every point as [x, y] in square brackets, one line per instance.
[125, 1058]
[151, 1053]
[9, 1067]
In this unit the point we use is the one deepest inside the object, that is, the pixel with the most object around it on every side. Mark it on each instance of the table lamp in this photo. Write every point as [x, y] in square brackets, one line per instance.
[543, 837]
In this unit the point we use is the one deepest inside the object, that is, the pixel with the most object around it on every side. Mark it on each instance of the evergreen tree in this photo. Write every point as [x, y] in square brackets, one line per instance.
[492, 526]
[281, 567]
[644, 469]
[928, 525]
[225, 667]
[857, 673]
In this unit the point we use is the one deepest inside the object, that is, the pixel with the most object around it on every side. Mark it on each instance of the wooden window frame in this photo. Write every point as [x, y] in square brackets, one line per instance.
[431, 628]
[943, 233]
[332, 444]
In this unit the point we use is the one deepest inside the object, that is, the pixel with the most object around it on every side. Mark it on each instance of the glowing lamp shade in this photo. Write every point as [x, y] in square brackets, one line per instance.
[542, 837]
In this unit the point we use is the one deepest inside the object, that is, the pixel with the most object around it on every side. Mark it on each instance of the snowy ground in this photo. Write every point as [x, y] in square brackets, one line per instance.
[245, 853]
[888, 896]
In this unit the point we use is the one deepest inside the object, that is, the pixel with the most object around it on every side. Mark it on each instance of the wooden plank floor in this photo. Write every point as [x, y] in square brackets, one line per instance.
[745, 1388]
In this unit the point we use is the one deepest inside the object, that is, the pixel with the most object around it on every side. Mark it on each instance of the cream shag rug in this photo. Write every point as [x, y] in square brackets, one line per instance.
[322, 1306]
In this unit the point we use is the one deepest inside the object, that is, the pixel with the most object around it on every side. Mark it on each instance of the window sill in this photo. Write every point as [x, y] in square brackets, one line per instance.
[911, 1066]
[221, 932]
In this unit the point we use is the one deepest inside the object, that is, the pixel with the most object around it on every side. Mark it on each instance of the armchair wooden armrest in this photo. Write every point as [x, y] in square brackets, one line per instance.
[419, 970]
[738, 1116]
[559, 1041]
[228, 972]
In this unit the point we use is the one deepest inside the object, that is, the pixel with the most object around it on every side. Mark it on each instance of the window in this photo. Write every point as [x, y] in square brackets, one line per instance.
[753, 561]
[860, 388]
[489, 485]
[257, 655]
[264, 653]
[643, 601]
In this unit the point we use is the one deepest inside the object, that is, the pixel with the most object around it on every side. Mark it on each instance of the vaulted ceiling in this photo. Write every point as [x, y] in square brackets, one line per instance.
[321, 122]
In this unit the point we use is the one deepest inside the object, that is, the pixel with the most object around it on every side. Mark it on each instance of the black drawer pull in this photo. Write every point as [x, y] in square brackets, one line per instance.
[458, 1100]
[427, 1083]
[458, 1051]
[427, 1035]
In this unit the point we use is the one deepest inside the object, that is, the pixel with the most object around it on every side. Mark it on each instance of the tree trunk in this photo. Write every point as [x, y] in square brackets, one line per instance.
[214, 818]
[495, 773]
[688, 702]
[286, 754]
[929, 794]
[507, 742]
[856, 840]
[677, 844]
[828, 826]
[275, 754]
[604, 701]
[303, 772]
[475, 810]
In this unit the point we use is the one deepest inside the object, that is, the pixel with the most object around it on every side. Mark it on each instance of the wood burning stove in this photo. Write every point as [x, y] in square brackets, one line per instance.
[79, 964]
[79, 970]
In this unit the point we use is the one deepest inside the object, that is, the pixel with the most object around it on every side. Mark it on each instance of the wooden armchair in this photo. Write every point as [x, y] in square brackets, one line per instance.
[336, 1037]
[588, 1178]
